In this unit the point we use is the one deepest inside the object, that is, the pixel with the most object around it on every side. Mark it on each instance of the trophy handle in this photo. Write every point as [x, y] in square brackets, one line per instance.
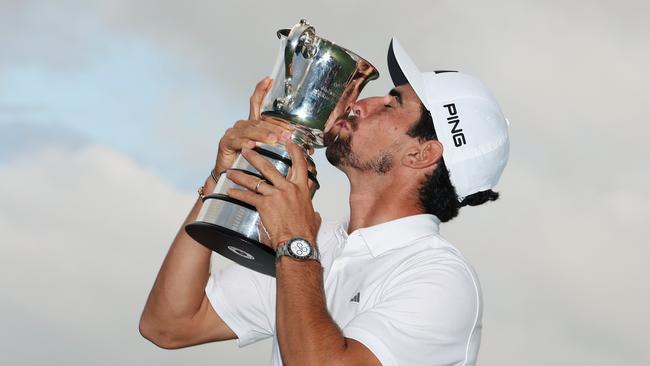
[300, 39]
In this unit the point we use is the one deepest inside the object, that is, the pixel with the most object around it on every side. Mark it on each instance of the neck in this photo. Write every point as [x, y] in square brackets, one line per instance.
[375, 199]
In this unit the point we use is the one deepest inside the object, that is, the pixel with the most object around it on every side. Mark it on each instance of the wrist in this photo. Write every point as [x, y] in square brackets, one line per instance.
[299, 249]
[219, 168]
[288, 262]
[285, 238]
[209, 185]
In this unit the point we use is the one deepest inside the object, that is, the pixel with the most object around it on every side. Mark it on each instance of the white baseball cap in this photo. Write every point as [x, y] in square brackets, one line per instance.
[467, 119]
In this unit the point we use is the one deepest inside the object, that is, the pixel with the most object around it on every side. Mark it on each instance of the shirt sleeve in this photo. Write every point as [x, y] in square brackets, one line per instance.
[428, 315]
[245, 300]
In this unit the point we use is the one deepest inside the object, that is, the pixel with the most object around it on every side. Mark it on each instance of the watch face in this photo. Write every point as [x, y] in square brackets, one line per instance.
[300, 248]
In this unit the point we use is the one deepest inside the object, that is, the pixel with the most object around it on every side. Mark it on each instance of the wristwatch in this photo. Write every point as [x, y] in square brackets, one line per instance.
[297, 248]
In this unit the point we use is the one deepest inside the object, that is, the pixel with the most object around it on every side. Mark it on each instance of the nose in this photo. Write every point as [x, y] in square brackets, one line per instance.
[352, 110]
[363, 107]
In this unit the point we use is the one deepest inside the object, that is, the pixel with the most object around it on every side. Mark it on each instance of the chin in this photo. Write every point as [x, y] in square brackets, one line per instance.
[337, 149]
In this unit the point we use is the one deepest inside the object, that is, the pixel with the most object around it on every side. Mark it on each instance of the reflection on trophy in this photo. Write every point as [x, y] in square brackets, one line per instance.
[314, 81]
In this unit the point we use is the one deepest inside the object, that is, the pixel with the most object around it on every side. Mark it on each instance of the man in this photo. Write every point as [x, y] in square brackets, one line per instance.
[387, 289]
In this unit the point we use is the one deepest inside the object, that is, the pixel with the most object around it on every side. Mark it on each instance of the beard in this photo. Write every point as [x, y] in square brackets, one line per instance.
[339, 153]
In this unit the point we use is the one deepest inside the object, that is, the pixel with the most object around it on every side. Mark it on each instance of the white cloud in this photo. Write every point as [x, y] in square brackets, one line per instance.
[563, 269]
[561, 256]
[25, 138]
[83, 235]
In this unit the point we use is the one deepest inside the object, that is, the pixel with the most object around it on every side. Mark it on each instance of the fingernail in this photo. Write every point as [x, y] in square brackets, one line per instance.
[251, 144]
[286, 135]
[273, 137]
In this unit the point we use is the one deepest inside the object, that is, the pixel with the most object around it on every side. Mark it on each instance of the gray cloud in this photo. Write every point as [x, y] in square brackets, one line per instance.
[18, 139]
[561, 270]
[83, 233]
[561, 254]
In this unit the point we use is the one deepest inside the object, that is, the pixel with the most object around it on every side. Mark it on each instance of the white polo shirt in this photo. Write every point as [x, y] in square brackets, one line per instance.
[397, 287]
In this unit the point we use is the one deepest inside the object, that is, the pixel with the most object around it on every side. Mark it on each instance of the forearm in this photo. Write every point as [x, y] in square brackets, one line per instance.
[307, 335]
[179, 287]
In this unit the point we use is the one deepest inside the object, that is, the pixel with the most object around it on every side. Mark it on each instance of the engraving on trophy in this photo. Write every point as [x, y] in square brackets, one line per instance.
[237, 219]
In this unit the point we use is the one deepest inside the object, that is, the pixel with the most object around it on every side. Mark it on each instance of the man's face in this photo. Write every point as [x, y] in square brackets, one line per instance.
[373, 132]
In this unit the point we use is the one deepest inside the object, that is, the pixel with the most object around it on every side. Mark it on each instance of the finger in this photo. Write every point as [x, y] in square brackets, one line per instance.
[251, 182]
[275, 125]
[256, 99]
[275, 121]
[241, 134]
[264, 167]
[251, 198]
[284, 129]
[260, 133]
[238, 144]
[298, 172]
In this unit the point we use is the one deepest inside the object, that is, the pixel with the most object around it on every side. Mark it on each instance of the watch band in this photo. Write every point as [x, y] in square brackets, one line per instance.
[285, 249]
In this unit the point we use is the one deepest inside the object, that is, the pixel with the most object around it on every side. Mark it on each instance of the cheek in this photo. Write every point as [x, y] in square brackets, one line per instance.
[369, 143]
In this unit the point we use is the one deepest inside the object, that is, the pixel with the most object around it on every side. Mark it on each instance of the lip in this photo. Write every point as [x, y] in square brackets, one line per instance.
[342, 123]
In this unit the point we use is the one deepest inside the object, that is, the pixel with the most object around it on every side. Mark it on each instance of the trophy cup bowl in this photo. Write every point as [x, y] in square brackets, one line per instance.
[314, 81]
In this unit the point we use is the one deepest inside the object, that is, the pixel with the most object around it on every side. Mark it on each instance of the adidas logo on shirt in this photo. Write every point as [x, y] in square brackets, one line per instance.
[356, 298]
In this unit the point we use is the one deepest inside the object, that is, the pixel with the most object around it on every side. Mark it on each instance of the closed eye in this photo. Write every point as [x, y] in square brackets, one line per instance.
[396, 94]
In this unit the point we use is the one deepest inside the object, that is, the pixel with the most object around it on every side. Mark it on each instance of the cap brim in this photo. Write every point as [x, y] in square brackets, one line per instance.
[403, 70]
[394, 69]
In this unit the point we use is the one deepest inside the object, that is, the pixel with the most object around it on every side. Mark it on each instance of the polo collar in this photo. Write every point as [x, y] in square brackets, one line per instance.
[396, 233]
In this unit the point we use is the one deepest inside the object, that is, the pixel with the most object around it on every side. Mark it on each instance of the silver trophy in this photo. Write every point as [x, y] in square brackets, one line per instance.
[315, 81]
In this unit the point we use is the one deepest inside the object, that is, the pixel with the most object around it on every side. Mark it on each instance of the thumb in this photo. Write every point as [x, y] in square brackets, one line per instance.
[258, 96]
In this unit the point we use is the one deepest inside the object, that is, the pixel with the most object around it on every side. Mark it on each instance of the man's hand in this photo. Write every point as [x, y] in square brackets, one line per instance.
[284, 205]
[306, 333]
[177, 312]
[245, 133]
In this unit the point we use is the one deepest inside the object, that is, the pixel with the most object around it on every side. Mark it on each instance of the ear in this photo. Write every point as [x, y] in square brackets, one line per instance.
[423, 154]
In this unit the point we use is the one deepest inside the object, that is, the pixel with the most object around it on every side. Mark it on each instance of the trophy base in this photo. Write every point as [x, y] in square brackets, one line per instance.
[234, 246]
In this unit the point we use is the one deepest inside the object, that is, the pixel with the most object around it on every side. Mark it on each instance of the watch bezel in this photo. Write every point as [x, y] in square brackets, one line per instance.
[296, 255]
[284, 250]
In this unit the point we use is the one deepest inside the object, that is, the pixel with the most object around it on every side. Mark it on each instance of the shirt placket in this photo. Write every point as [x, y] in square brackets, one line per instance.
[331, 276]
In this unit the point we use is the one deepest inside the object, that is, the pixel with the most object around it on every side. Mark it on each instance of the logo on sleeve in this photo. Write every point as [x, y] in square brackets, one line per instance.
[454, 120]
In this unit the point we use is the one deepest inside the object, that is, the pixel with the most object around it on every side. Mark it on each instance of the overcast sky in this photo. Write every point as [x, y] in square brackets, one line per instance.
[110, 114]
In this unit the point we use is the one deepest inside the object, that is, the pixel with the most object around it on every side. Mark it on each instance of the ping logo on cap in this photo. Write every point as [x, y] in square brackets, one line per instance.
[454, 120]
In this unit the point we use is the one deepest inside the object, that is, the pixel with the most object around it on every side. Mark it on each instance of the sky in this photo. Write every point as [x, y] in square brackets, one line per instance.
[111, 111]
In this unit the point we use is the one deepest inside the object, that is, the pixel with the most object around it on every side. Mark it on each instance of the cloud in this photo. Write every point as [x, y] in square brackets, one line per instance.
[565, 75]
[25, 138]
[561, 255]
[64, 67]
[83, 235]
[62, 36]
[562, 268]
[83, 239]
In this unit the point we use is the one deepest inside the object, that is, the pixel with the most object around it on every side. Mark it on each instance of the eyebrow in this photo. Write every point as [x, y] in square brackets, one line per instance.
[395, 93]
